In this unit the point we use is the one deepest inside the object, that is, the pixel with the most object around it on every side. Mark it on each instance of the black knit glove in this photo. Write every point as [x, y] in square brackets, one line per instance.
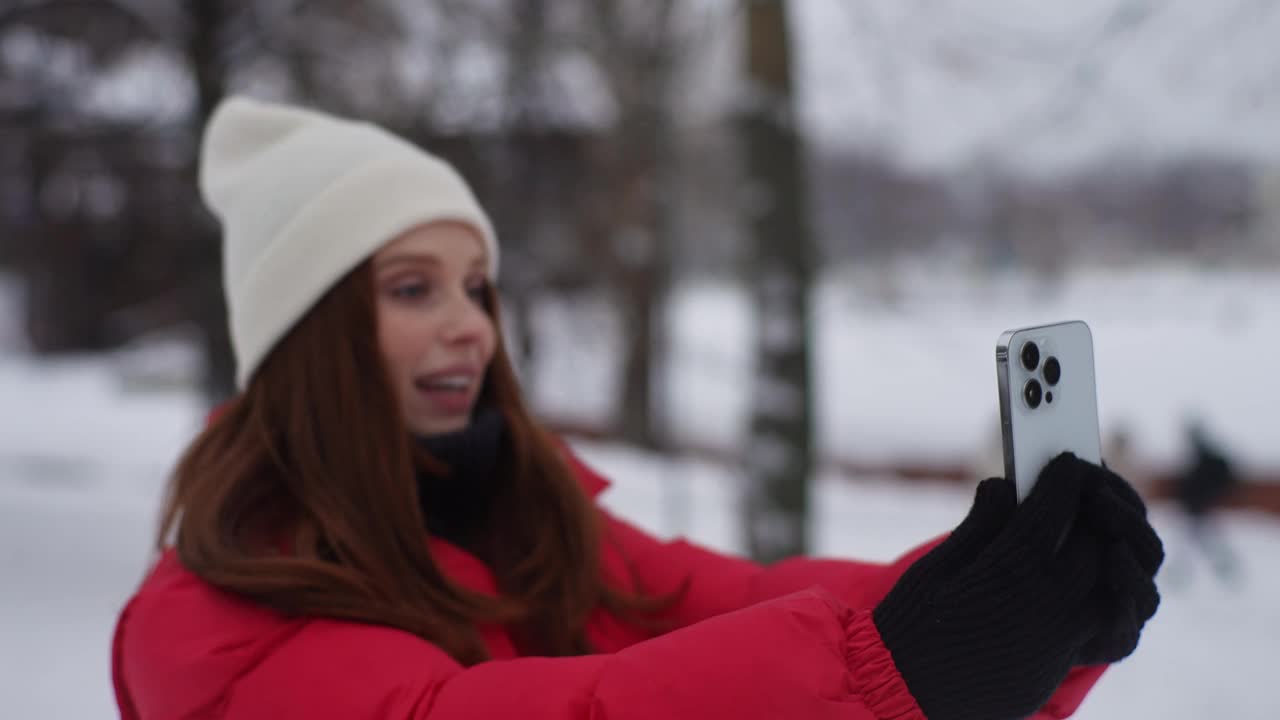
[1132, 553]
[987, 625]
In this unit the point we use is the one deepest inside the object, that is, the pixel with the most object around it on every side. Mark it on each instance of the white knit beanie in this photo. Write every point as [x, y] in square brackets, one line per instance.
[304, 198]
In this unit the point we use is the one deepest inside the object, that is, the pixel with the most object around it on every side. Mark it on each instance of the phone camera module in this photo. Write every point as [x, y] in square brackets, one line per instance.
[1032, 393]
[1030, 356]
[1052, 371]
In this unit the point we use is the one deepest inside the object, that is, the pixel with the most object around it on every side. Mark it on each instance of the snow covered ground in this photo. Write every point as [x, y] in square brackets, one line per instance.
[904, 361]
[70, 553]
[1208, 653]
[83, 457]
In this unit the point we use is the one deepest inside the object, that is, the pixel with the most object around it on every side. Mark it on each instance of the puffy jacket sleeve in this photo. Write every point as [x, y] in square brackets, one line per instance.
[804, 655]
[718, 583]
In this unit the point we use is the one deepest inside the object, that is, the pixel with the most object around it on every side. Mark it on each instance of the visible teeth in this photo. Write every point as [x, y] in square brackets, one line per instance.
[453, 382]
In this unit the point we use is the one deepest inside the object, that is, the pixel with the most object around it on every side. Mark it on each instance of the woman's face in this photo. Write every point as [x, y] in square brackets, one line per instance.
[435, 336]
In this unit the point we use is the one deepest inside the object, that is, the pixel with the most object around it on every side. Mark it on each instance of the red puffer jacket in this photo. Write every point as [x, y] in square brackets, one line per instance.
[792, 640]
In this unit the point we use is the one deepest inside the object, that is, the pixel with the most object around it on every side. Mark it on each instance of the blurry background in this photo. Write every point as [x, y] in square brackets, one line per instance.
[756, 258]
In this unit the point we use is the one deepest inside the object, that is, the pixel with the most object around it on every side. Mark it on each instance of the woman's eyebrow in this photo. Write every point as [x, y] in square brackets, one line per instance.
[423, 258]
[408, 258]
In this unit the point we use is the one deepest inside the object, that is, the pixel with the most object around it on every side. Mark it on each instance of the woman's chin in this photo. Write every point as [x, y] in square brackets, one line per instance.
[427, 426]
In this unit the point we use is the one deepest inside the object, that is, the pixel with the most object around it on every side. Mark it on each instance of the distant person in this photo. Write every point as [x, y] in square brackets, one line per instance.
[1208, 479]
[377, 526]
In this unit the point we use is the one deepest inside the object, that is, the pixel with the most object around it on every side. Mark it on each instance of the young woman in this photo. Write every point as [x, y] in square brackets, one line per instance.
[376, 527]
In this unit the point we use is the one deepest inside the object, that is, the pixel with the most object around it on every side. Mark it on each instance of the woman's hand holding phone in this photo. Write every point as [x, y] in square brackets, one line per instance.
[988, 623]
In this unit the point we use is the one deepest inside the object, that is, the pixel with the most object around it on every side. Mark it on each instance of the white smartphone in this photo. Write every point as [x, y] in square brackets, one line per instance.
[1048, 399]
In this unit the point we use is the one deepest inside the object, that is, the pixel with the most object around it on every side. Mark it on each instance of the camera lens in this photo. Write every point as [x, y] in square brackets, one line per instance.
[1052, 371]
[1032, 394]
[1030, 356]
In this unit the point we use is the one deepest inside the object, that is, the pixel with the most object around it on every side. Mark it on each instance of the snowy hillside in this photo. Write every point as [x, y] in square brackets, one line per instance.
[1208, 653]
[76, 540]
[83, 456]
[913, 379]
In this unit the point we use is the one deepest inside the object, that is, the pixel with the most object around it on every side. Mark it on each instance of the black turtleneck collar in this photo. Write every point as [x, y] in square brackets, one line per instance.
[456, 505]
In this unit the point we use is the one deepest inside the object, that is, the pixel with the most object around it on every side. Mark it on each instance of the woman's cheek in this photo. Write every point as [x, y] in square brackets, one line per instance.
[396, 341]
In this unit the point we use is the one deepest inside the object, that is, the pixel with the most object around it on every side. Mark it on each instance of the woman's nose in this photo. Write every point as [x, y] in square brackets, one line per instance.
[467, 321]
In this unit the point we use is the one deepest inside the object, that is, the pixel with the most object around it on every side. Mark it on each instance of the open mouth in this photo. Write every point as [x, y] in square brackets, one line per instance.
[449, 391]
[446, 383]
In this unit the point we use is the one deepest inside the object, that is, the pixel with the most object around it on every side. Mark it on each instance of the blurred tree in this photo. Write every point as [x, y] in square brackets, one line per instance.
[568, 146]
[591, 214]
[80, 169]
[634, 214]
[121, 243]
[208, 59]
[779, 456]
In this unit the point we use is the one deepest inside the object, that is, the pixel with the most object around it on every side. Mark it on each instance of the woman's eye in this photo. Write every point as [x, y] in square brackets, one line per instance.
[477, 292]
[409, 291]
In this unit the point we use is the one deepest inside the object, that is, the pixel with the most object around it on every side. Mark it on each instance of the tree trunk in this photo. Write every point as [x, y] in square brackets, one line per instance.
[204, 292]
[639, 296]
[642, 242]
[517, 204]
[779, 458]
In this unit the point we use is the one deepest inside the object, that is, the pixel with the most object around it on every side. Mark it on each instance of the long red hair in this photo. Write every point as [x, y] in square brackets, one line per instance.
[302, 496]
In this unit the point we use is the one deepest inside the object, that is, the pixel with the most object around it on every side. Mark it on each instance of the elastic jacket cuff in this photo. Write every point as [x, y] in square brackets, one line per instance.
[872, 674]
